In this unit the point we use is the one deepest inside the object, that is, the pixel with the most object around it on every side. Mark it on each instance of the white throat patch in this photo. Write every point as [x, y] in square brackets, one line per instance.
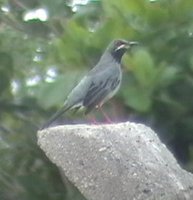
[120, 47]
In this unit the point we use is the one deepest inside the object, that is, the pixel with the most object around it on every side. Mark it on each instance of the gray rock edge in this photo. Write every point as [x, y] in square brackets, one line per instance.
[124, 161]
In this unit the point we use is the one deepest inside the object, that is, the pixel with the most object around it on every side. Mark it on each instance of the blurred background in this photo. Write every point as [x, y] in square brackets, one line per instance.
[46, 46]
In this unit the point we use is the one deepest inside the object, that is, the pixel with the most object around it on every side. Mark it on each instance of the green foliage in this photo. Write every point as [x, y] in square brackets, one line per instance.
[40, 61]
[52, 91]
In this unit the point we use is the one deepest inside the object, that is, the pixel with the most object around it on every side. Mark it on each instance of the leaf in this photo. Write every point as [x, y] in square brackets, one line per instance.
[138, 99]
[167, 75]
[136, 96]
[143, 68]
[54, 93]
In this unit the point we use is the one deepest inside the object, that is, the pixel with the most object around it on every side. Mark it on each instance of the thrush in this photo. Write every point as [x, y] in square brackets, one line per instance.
[100, 84]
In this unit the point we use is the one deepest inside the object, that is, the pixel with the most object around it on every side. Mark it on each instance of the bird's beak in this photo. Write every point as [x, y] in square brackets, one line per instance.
[132, 43]
[127, 45]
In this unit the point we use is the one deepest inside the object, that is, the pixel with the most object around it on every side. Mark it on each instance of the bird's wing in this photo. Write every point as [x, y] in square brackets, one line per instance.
[99, 89]
[95, 100]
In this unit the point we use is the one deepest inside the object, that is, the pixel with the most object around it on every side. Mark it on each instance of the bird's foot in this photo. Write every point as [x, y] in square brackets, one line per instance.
[92, 120]
[107, 118]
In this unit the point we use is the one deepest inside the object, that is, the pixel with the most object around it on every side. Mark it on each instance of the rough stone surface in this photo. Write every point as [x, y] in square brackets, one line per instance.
[123, 161]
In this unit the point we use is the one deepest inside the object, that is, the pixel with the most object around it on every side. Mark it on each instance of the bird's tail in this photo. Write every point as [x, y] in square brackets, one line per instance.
[55, 116]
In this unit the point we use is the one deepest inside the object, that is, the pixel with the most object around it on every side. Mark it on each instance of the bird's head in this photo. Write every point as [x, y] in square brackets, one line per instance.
[118, 47]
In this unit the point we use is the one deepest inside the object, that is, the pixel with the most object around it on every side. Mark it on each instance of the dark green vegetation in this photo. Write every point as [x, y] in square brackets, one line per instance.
[40, 61]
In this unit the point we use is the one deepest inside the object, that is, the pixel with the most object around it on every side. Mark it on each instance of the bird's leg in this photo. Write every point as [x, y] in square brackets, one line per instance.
[92, 119]
[107, 118]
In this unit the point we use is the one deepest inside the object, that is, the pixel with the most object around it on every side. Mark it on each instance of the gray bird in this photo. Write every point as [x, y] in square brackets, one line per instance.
[100, 84]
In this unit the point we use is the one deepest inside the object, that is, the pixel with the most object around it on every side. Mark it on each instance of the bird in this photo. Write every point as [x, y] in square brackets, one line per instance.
[100, 84]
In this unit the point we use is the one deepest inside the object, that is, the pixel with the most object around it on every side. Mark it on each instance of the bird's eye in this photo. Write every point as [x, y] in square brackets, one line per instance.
[119, 43]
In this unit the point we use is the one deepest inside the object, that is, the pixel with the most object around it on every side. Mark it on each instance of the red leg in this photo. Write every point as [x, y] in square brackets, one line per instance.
[105, 115]
[92, 119]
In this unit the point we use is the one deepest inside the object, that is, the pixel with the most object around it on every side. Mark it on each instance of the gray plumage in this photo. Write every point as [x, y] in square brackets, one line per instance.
[100, 84]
